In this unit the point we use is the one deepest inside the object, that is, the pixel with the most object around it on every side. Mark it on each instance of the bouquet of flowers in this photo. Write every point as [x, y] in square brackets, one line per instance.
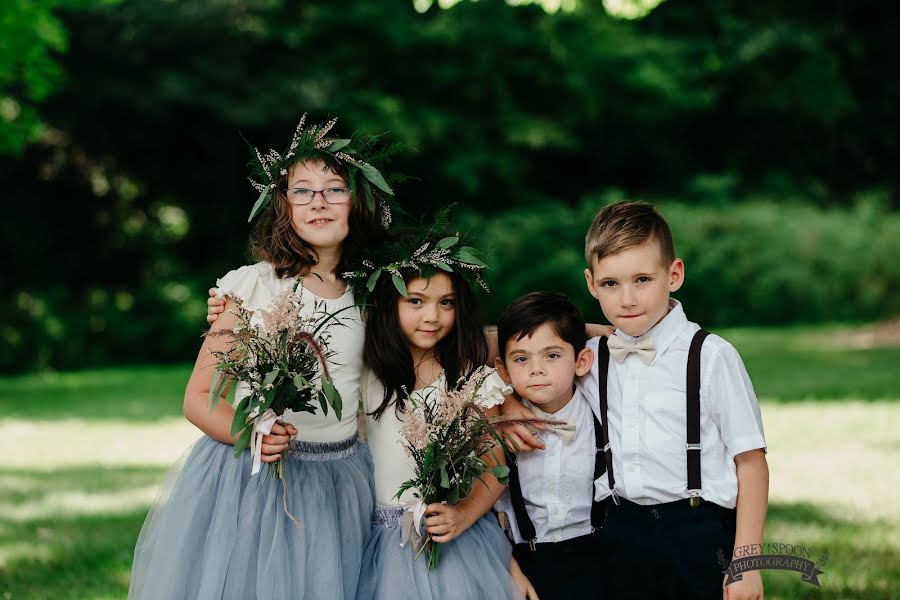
[283, 359]
[446, 434]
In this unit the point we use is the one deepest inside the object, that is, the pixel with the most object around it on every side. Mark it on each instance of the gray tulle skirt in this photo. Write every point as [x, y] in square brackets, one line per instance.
[474, 566]
[216, 533]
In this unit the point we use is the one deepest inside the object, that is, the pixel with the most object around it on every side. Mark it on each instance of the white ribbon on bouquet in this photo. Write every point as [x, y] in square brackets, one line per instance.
[411, 523]
[262, 426]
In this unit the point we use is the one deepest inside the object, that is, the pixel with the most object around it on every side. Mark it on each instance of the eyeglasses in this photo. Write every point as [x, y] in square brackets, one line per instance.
[332, 195]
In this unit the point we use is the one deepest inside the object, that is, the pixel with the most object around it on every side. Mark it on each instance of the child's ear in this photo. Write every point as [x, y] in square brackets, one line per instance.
[676, 275]
[583, 361]
[589, 279]
[501, 370]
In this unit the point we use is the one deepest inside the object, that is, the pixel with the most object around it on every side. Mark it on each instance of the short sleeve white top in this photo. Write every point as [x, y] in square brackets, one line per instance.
[257, 286]
[392, 465]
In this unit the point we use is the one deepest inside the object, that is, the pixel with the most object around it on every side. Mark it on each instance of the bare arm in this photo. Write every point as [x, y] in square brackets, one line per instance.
[215, 424]
[490, 334]
[752, 504]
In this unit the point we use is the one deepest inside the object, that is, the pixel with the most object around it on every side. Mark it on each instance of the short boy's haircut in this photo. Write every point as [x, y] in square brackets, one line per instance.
[624, 225]
[527, 313]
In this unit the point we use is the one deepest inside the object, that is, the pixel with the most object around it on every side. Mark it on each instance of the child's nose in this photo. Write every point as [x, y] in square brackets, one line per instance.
[318, 201]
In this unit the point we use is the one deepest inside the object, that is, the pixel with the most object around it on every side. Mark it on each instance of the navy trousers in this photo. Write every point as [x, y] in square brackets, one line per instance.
[667, 551]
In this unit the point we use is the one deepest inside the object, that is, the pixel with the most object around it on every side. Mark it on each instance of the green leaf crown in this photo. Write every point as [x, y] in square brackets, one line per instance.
[429, 251]
[359, 153]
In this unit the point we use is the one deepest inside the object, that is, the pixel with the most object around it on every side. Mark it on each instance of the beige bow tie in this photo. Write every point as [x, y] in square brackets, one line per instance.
[619, 348]
[564, 429]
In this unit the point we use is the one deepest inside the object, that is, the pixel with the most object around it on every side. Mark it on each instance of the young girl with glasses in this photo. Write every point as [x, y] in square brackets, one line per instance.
[216, 531]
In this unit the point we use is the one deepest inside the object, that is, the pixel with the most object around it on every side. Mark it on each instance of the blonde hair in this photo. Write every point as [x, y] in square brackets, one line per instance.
[624, 225]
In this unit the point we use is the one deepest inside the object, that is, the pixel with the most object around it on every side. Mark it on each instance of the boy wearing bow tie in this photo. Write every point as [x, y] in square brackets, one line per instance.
[549, 505]
[685, 449]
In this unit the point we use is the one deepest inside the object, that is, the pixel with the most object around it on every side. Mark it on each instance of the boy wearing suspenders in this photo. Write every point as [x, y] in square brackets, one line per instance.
[550, 509]
[686, 474]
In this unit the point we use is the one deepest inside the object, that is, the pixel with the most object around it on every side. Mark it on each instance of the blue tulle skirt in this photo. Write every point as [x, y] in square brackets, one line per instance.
[474, 566]
[216, 533]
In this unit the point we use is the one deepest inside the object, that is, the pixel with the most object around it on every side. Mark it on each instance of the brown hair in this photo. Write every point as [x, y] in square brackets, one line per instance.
[624, 225]
[528, 313]
[274, 240]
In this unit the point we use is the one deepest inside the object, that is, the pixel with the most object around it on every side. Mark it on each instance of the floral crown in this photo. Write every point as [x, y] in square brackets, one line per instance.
[428, 252]
[359, 153]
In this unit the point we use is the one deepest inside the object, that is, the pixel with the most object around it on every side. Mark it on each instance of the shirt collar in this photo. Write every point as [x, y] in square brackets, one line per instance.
[665, 332]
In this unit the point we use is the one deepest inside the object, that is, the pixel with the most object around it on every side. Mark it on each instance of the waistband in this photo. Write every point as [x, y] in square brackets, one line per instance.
[678, 509]
[583, 543]
[389, 516]
[323, 451]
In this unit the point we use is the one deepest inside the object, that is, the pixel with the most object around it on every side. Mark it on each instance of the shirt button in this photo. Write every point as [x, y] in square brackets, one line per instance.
[632, 467]
[630, 425]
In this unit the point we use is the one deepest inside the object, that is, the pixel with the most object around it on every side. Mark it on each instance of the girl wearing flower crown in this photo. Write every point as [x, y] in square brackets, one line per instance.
[424, 332]
[218, 531]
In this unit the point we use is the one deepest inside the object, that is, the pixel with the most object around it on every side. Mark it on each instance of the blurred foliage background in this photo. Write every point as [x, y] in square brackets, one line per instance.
[767, 131]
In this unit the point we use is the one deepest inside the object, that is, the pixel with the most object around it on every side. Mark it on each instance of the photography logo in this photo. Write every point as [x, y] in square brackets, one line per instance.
[776, 556]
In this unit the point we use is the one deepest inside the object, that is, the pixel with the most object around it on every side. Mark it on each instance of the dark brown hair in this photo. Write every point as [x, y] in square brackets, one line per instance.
[624, 225]
[274, 240]
[386, 351]
[529, 312]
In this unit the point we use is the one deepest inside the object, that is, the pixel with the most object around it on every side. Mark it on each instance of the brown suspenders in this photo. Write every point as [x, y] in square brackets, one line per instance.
[693, 415]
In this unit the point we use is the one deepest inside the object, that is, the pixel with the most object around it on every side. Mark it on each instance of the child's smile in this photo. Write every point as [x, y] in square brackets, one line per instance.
[428, 313]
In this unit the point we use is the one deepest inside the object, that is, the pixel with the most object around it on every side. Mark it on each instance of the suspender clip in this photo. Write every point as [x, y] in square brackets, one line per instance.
[532, 545]
[695, 498]
[693, 446]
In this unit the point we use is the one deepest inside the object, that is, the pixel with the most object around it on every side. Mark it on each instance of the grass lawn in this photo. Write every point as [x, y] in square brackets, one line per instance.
[84, 453]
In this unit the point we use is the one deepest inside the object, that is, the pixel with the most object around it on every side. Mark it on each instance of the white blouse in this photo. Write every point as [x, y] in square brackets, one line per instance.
[257, 286]
[386, 442]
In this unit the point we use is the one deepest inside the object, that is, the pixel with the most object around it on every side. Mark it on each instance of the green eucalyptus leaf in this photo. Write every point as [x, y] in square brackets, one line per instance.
[375, 177]
[444, 266]
[336, 145]
[243, 442]
[400, 285]
[373, 279]
[265, 197]
[239, 421]
[213, 390]
[445, 478]
[320, 395]
[271, 376]
[500, 471]
[446, 242]
[300, 382]
[467, 254]
[429, 456]
[268, 398]
[333, 396]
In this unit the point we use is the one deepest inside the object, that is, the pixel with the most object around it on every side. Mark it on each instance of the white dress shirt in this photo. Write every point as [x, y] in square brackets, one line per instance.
[557, 482]
[647, 416]
[257, 286]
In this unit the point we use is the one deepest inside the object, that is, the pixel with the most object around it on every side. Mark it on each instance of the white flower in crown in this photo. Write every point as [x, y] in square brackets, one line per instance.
[492, 390]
